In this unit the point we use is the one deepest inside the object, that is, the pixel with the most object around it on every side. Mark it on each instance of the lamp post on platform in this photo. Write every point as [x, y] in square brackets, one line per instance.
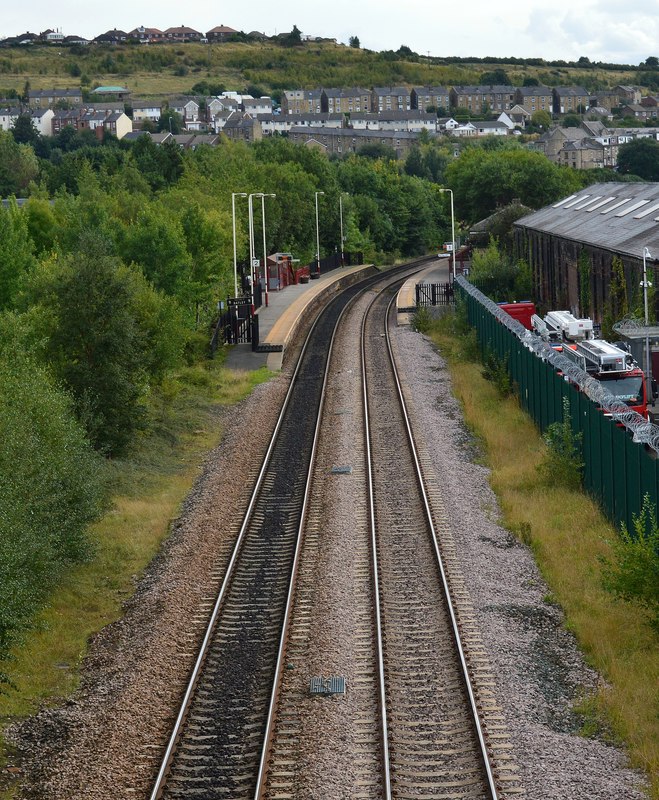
[265, 252]
[235, 255]
[252, 256]
[317, 237]
[450, 191]
[341, 223]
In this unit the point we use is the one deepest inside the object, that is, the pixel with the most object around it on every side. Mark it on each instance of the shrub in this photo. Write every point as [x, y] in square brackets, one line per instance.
[633, 574]
[563, 464]
[421, 319]
[51, 489]
[495, 369]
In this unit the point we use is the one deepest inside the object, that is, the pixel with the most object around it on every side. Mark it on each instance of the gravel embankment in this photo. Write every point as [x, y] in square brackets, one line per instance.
[541, 672]
[99, 745]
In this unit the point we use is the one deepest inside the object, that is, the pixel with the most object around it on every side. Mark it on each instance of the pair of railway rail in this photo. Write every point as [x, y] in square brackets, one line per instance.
[432, 739]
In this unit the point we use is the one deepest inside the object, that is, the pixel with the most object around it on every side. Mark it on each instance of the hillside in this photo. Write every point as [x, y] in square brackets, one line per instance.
[154, 70]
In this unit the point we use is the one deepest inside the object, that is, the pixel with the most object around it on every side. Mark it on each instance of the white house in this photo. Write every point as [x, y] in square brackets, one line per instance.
[146, 110]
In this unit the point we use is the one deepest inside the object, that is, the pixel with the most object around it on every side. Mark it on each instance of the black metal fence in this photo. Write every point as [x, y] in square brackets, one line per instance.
[235, 325]
[333, 261]
[434, 294]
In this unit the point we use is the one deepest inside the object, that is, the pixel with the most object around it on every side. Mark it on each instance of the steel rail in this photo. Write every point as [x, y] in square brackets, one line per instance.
[440, 563]
[160, 782]
[386, 766]
[194, 677]
[263, 768]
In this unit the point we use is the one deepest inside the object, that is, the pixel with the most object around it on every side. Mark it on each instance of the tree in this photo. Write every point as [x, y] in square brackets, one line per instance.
[640, 157]
[52, 485]
[541, 119]
[24, 130]
[171, 121]
[16, 253]
[571, 121]
[529, 81]
[87, 312]
[354, 42]
[18, 165]
[497, 77]
[292, 39]
[652, 61]
[483, 180]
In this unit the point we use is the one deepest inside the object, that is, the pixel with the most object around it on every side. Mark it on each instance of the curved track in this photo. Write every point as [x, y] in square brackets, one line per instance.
[221, 734]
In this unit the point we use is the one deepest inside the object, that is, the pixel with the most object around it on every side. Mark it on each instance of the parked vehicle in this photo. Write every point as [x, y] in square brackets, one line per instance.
[610, 364]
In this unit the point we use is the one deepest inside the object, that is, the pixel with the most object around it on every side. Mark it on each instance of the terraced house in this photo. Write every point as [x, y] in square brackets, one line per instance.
[344, 101]
[535, 98]
[480, 99]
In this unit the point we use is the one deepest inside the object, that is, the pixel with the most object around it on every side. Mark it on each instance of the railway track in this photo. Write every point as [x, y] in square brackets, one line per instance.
[435, 740]
[248, 726]
[220, 738]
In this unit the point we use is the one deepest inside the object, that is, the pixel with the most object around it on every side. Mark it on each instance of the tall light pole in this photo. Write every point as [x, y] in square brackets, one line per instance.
[252, 257]
[235, 254]
[450, 191]
[317, 238]
[341, 223]
[646, 284]
[265, 252]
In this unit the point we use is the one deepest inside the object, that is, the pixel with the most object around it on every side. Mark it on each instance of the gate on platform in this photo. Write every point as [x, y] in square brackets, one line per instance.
[434, 294]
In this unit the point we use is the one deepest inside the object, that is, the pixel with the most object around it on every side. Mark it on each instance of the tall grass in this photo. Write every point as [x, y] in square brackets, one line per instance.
[571, 539]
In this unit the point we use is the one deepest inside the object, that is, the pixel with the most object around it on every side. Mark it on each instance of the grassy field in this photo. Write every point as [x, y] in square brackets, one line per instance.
[148, 491]
[569, 536]
[157, 70]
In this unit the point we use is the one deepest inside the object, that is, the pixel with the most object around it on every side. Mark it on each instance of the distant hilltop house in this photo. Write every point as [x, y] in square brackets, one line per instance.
[120, 93]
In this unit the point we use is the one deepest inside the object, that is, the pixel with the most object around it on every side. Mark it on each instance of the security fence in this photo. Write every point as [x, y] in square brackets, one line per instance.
[619, 447]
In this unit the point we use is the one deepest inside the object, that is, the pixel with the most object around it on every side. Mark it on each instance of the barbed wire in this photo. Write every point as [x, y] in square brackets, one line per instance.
[643, 432]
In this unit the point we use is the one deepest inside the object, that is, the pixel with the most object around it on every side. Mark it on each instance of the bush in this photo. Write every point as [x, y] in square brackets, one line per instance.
[51, 490]
[421, 319]
[495, 369]
[563, 464]
[634, 572]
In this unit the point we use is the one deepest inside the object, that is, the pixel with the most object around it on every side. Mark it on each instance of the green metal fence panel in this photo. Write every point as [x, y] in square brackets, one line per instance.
[617, 471]
[633, 480]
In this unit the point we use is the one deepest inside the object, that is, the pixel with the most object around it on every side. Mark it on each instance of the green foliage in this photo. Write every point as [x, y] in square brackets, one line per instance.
[171, 121]
[496, 77]
[495, 369]
[100, 320]
[584, 283]
[18, 166]
[24, 130]
[571, 121]
[354, 42]
[16, 253]
[618, 300]
[497, 276]
[633, 573]
[483, 179]
[563, 464]
[541, 119]
[640, 157]
[52, 487]
[421, 319]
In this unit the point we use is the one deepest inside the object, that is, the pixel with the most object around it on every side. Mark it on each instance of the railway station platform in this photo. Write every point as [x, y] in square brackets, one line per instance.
[439, 272]
[280, 320]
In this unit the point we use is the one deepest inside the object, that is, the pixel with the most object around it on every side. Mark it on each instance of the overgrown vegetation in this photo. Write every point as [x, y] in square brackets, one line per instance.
[498, 276]
[573, 544]
[422, 319]
[563, 462]
[633, 571]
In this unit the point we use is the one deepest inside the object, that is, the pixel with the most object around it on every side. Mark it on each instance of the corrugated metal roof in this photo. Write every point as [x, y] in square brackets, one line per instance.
[579, 220]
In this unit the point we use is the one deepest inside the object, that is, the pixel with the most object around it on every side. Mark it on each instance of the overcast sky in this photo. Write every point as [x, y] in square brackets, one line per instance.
[601, 30]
